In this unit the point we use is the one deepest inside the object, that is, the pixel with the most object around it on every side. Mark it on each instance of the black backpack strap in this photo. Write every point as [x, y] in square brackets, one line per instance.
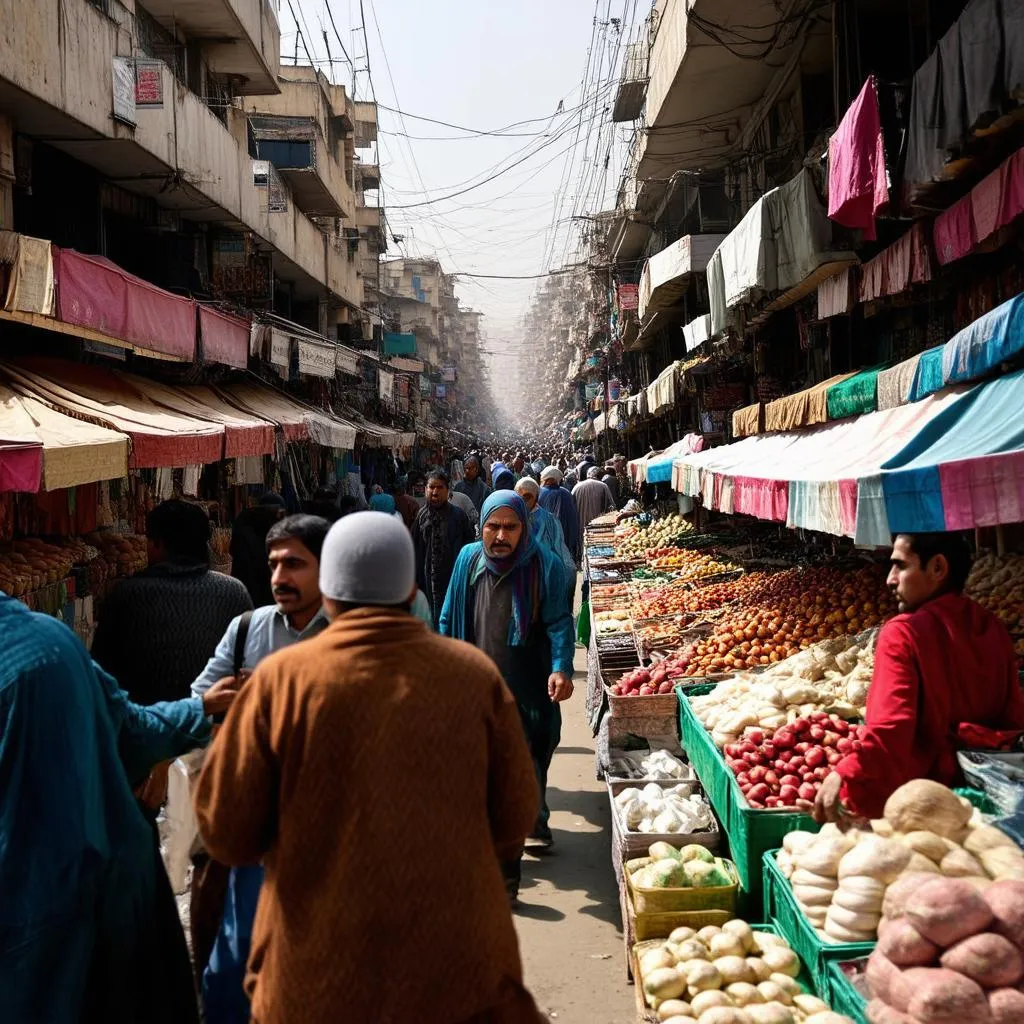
[244, 622]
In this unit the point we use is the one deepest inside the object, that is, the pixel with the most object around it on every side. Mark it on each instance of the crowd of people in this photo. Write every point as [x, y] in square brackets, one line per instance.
[315, 686]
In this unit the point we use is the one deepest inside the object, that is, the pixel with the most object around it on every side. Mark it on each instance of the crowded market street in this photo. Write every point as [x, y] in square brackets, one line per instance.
[512, 513]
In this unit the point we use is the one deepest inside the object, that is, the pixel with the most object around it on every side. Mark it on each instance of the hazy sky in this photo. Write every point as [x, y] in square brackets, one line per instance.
[484, 64]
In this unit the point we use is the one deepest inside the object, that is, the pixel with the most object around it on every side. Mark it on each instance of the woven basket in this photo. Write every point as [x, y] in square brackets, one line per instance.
[665, 901]
[655, 705]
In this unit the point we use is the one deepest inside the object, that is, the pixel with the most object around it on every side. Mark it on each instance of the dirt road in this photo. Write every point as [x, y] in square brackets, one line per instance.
[568, 920]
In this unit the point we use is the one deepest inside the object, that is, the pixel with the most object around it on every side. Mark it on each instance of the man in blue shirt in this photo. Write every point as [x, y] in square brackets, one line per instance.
[293, 552]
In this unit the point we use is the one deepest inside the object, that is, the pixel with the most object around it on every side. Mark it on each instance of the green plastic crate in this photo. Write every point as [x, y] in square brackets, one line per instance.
[751, 832]
[982, 801]
[842, 996]
[784, 912]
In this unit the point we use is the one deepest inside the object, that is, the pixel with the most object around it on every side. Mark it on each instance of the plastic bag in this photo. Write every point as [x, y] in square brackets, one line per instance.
[583, 625]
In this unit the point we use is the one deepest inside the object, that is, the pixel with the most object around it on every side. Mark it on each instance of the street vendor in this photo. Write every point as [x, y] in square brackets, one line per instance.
[942, 664]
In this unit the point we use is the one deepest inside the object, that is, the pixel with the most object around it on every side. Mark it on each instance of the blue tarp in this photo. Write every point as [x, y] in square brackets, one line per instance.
[980, 347]
[987, 421]
[928, 375]
[399, 344]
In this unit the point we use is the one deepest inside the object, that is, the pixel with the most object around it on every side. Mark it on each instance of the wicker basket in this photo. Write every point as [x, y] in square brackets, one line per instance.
[636, 844]
[655, 705]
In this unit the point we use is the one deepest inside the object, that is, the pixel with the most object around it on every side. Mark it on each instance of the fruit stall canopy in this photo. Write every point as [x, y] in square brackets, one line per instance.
[66, 451]
[244, 434]
[297, 422]
[966, 467]
[659, 469]
[159, 436]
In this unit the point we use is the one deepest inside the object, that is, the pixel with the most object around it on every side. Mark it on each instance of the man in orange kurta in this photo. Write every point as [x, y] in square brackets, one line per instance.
[379, 772]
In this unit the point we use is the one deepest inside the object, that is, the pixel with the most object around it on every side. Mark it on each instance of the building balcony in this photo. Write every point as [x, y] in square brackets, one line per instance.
[367, 176]
[298, 152]
[632, 91]
[243, 37]
[365, 124]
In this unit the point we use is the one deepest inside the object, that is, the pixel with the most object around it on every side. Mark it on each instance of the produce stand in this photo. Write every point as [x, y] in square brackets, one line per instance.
[843, 995]
[782, 910]
[751, 832]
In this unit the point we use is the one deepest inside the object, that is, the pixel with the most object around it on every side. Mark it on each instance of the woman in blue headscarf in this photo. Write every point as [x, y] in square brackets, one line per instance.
[381, 502]
[508, 596]
[548, 530]
[502, 478]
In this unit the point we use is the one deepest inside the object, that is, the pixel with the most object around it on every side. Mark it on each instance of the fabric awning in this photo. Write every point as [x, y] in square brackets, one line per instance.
[21, 448]
[965, 468]
[159, 436]
[927, 374]
[665, 275]
[748, 420]
[244, 435]
[68, 451]
[804, 409]
[224, 338]
[95, 293]
[854, 396]
[997, 337]
[661, 395]
[697, 331]
[893, 386]
[659, 468]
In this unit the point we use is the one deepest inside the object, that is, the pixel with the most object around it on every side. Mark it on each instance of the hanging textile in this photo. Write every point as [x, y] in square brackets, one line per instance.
[855, 396]
[907, 261]
[994, 338]
[834, 295]
[927, 374]
[894, 384]
[858, 185]
[749, 420]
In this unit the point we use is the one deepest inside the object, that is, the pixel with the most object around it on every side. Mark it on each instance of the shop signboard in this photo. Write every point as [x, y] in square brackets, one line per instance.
[629, 296]
[280, 348]
[316, 360]
[124, 90]
[149, 83]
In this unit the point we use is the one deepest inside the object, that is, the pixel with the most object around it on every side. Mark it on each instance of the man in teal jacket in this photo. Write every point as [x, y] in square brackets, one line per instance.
[509, 597]
[89, 930]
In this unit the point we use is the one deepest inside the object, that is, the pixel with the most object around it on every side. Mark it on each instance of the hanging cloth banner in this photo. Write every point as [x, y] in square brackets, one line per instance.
[385, 385]
[316, 360]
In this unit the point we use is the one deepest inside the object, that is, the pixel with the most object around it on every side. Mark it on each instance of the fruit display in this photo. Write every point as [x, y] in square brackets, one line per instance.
[691, 867]
[832, 676]
[644, 682]
[612, 621]
[781, 768]
[667, 810]
[636, 539]
[727, 975]
[845, 882]
[997, 583]
[675, 599]
[791, 611]
[687, 565]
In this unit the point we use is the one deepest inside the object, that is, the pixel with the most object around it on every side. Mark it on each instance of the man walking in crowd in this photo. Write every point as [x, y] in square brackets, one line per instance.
[440, 532]
[592, 498]
[89, 923]
[328, 758]
[158, 627]
[248, 557]
[559, 502]
[502, 478]
[464, 502]
[473, 484]
[293, 548]
[943, 665]
[508, 596]
[407, 505]
[548, 531]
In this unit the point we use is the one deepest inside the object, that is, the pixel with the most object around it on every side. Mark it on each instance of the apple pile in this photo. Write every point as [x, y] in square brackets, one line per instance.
[776, 769]
[675, 600]
[644, 682]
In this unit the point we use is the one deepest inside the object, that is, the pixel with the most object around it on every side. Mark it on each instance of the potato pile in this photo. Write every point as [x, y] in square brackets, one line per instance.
[842, 880]
[727, 975]
[948, 952]
[635, 540]
[997, 583]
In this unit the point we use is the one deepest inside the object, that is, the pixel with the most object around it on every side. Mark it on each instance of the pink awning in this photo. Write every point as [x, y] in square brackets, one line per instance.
[95, 293]
[225, 338]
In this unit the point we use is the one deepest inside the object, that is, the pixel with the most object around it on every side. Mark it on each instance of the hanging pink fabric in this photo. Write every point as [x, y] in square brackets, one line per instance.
[848, 507]
[21, 466]
[858, 186]
[95, 293]
[953, 232]
[225, 338]
[984, 491]
[765, 499]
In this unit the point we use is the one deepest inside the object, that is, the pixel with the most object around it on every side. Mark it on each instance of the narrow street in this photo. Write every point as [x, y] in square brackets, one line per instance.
[568, 919]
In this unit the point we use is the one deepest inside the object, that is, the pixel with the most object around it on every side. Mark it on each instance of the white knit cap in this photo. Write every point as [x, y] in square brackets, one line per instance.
[551, 473]
[368, 559]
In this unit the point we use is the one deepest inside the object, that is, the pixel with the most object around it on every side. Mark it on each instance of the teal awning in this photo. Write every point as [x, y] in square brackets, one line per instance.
[399, 344]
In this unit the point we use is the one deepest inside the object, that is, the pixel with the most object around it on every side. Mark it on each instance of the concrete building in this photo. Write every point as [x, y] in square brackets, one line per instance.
[164, 135]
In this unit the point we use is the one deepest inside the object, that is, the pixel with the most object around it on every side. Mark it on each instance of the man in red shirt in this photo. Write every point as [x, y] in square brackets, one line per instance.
[942, 662]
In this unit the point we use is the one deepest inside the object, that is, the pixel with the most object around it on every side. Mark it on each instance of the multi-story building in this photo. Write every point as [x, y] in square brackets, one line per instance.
[167, 137]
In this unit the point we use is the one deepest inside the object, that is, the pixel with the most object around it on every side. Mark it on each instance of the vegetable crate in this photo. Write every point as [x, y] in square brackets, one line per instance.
[656, 705]
[784, 912]
[842, 995]
[751, 832]
[668, 900]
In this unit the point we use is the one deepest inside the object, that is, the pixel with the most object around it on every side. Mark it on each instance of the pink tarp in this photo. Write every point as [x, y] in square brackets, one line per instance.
[985, 491]
[225, 338]
[95, 293]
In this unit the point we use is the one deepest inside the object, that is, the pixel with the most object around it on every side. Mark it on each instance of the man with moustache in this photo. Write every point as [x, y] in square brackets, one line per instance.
[509, 597]
[293, 553]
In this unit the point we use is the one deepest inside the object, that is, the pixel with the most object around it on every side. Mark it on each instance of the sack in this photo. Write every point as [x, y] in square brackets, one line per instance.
[583, 624]
[181, 830]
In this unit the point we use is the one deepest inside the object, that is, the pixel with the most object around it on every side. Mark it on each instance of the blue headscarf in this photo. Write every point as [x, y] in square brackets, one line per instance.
[502, 479]
[383, 503]
[526, 583]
